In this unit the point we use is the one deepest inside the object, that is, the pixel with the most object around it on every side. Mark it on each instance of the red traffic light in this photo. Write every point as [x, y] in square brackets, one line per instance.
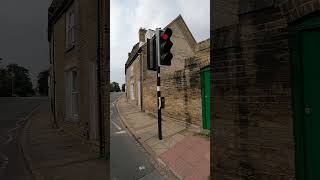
[167, 34]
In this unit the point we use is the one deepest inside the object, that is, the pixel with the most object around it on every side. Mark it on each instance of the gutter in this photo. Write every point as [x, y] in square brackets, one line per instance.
[101, 123]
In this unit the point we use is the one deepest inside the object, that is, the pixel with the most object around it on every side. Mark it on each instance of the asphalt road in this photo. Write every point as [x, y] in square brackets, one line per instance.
[127, 160]
[13, 113]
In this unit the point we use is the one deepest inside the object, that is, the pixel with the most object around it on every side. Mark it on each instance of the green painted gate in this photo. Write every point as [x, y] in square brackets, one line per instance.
[205, 94]
[305, 57]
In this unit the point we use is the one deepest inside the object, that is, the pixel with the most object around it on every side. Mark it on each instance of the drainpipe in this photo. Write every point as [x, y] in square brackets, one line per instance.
[141, 81]
[101, 123]
[54, 81]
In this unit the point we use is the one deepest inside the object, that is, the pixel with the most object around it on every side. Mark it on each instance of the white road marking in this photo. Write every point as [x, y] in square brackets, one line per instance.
[142, 168]
[120, 132]
[117, 126]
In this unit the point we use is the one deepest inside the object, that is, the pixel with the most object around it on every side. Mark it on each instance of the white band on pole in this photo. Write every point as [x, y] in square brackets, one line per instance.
[158, 88]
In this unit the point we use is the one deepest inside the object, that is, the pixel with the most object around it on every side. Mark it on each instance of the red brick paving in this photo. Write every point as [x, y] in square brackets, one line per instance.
[189, 158]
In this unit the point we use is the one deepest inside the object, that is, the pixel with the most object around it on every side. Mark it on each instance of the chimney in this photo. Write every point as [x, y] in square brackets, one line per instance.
[142, 34]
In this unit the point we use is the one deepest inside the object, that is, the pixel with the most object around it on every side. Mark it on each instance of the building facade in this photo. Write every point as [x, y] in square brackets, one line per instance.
[181, 83]
[265, 107]
[79, 66]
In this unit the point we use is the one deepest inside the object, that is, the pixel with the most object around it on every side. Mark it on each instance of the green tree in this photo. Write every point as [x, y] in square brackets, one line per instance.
[114, 87]
[19, 76]
[123, 88]
[5, 82]
[43, 87]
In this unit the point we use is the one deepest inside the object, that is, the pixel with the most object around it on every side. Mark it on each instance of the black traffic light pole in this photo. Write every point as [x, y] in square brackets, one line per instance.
[158, 83]
[159, 101]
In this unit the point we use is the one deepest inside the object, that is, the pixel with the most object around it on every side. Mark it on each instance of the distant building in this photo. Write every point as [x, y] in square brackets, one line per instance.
[185, 84]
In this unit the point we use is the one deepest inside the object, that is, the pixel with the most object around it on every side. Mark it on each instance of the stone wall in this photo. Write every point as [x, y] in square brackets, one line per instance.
[81, 56]
[133, 77]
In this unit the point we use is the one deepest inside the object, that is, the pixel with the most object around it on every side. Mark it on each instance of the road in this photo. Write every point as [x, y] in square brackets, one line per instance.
[13, 112]
[127, 160]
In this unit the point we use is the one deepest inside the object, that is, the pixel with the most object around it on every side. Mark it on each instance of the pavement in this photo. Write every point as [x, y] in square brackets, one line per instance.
[183, 150]
[53, 154]
[14, 112]
[128, 159]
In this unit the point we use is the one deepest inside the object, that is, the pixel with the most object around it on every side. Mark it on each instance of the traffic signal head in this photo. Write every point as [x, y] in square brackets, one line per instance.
[165, 46]
[151, 54]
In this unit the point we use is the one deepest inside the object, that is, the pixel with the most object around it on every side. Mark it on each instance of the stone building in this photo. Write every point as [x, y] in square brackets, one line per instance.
[79, 67]
[181, 83]
[266, 89]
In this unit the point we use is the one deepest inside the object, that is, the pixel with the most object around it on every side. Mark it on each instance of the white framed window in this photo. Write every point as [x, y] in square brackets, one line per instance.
[70, 28]
[72, 95]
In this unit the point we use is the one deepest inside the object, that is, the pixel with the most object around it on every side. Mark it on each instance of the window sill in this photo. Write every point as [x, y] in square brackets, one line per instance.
[69, 48]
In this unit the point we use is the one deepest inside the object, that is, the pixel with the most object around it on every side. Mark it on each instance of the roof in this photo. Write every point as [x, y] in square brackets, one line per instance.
[185, 30]
[133, 54]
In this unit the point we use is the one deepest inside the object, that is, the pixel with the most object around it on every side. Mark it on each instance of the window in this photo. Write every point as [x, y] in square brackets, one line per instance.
[72, 95]
[132, 90]
[70, 28]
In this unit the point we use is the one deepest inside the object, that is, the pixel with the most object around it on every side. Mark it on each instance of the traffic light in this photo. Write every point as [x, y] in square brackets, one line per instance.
[165, 46]
[151, 54]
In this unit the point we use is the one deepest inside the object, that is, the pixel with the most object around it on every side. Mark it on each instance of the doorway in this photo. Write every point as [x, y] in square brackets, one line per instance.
[305, 57]
[205, 94]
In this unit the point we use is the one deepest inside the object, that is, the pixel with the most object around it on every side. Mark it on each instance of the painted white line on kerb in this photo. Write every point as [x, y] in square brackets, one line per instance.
[117, 126]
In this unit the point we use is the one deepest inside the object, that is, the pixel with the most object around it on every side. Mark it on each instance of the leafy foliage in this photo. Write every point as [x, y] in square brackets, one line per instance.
[114, 87]
[15, 80]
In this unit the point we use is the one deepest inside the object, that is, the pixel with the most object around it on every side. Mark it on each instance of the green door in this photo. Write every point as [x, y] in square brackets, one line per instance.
[205, 93]
[311, 83]
[305, 53]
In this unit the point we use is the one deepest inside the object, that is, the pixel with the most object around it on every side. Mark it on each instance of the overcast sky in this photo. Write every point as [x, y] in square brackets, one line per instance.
[127, 16]
[23, 38]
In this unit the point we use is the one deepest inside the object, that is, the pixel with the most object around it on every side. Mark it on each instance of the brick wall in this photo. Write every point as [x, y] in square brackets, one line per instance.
[252, 135]
[105, 72]
[294, 10]
[180, 85]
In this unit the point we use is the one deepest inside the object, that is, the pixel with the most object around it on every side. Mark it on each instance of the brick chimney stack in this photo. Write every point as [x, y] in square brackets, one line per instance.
[142, 34]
